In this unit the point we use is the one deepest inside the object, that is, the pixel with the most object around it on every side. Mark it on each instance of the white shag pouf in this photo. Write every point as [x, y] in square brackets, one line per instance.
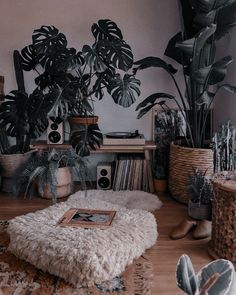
[82, 256]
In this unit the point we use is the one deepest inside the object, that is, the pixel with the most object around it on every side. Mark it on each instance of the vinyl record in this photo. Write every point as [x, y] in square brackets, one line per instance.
[121, 135]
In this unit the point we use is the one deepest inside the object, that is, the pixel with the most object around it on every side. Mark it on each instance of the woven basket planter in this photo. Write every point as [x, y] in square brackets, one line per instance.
[182, 162]
[223, 240]
[9, 164]
[64, 184]
[199, 211]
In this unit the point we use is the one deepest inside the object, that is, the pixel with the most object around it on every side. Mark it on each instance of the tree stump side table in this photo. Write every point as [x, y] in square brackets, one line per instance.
[223, 240]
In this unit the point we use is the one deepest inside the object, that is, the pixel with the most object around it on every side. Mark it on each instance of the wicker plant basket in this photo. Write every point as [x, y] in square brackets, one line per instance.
[182, 161]
[223, 240]
[9, 164]
[199, 211]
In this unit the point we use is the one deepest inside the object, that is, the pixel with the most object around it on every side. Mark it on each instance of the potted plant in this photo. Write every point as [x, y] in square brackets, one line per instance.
[200, 191]
[167, 127]
[51, 170]
[204, 23]
[223, 144]
[70, 79]
[22, 117]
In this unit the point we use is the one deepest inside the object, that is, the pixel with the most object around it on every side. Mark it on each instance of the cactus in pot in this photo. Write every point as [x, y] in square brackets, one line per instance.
[216, 278]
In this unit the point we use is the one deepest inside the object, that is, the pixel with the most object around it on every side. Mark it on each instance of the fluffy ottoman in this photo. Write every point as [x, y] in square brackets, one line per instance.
[82, 256]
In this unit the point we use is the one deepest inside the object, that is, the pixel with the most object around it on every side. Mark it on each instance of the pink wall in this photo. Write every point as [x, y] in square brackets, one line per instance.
[146, 25]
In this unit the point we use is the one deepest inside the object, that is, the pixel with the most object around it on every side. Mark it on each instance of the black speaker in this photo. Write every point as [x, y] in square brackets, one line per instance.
[55, 131]
[104, 175]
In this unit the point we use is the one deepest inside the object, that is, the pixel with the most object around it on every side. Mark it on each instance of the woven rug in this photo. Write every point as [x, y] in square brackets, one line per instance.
[18, 277]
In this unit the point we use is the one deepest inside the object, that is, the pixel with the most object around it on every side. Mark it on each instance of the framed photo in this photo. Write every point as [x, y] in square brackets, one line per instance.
[78, 217]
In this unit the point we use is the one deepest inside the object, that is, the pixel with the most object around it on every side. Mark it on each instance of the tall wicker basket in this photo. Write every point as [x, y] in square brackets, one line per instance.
[223, 240]
[182, 161]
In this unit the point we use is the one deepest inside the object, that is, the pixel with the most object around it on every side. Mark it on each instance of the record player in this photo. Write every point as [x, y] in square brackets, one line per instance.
[123, 138]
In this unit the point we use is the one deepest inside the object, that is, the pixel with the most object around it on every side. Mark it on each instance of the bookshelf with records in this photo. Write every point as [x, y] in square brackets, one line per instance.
[133, 172]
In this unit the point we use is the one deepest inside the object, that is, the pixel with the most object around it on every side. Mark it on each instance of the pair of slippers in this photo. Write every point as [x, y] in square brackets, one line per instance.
[202, 229]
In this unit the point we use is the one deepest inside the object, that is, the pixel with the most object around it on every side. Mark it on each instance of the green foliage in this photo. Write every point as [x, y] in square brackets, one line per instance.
[42, 166]
[204, 22]
[200, 188]
[167, 127]
[216, 278]
[224, 144]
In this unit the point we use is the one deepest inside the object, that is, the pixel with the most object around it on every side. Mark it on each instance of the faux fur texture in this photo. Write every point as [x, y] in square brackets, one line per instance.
[128, 199]
[83, 256]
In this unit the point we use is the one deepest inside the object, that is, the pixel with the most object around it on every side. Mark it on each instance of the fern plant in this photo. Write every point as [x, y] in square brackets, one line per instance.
[43, 166]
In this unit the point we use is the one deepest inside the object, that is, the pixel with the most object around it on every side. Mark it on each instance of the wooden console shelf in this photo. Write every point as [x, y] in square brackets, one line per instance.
[149, 146]
[145, 149]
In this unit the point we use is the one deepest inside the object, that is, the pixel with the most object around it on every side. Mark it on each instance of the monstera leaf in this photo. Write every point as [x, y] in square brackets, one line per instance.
[93, 59]
[48, 39]
[85, 138]
[13, 115]
[106, 30]
[124, 91]
[117, 53]
[29, 58]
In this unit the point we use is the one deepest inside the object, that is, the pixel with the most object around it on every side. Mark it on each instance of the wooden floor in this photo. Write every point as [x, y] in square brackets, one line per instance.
[164, 254]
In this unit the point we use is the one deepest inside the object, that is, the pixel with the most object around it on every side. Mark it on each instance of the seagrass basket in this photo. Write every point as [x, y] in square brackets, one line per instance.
[182, 162]
[223, 240]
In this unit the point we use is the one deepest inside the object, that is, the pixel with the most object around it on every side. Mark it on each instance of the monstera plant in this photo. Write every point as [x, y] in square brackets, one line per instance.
[69, 79]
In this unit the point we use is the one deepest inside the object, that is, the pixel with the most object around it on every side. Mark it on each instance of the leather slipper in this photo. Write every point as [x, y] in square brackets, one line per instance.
[203, 230]
[182, 229]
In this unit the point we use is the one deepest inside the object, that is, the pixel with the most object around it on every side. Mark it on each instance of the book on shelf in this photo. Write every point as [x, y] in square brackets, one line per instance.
[87, 218]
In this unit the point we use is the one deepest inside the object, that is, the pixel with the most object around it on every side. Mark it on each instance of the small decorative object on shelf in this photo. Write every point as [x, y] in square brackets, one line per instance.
[78, 217]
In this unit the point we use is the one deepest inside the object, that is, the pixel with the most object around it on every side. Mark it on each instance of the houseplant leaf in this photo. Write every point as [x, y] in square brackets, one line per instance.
[124, 91]
[226, 19]
[93, 59]
[87, 136]
[151, 61]
[106, 30]
[28, 58]
[185, 275]
[47, 40]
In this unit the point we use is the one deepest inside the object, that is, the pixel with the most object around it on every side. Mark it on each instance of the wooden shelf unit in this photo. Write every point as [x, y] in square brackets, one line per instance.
[145, 149]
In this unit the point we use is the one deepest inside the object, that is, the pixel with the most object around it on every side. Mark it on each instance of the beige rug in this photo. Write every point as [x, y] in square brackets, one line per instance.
[21, 278]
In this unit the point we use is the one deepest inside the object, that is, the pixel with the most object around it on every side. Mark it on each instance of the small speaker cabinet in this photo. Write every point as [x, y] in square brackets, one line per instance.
[55, 132]
[104, 175]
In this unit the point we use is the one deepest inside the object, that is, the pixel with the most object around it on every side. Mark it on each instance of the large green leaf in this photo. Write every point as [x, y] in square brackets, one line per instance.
[208, 5]
[13, 114]
[213, 74]
[152, 61]
[93, 59]
[148, 103]
[116, 52]
[85, 138]
[29, 58]
[230, 88]
[185, 275]
[193, 46]
[48, 39]
[124, 91]
[106, 30]
[226, 20]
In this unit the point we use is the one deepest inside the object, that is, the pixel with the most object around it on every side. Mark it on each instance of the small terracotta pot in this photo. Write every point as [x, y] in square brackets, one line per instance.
[74, 121]
[161, 185]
